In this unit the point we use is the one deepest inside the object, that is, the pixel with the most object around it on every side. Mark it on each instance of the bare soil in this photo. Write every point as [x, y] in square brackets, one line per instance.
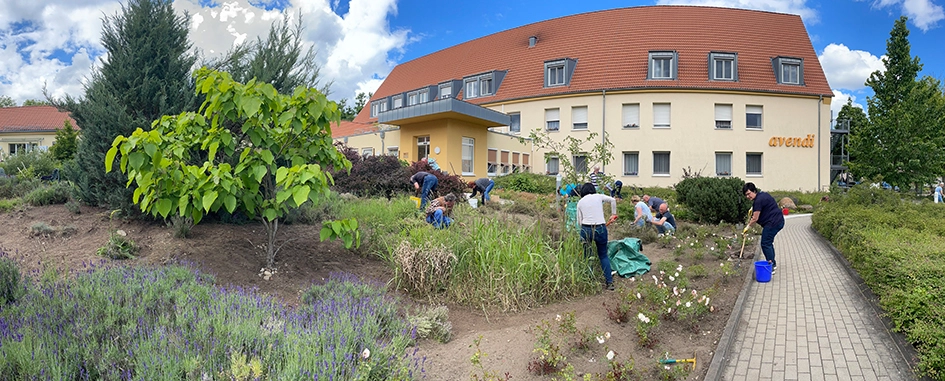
[233, 254]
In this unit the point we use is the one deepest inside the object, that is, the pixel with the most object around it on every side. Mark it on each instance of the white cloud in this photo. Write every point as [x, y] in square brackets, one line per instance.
[925, 14]
[840, 99]
[797, 7]
[848, 69]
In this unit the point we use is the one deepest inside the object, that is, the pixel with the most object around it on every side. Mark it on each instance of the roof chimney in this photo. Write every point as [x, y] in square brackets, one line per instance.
[532, 41]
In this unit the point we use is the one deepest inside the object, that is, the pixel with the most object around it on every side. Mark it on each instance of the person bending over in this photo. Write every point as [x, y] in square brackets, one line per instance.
[590, 214]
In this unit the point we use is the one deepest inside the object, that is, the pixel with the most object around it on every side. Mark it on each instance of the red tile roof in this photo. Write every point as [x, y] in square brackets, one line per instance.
[611, 48]
[33, 119]
[347, 128]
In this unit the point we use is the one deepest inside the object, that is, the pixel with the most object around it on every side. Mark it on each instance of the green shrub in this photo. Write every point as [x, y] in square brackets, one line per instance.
[432, 323]
[73, 206]
[713, 200]
[10, 287]
[118, 246]
[526, 182]
[57, 192]
[15, 186]
[7, 204]
[29, 165]
[41, 229]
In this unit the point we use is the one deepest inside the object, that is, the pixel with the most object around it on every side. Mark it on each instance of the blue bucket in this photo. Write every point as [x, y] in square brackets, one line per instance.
[763, 271]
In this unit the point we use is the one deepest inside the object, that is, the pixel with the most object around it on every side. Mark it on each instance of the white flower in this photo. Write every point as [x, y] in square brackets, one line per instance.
[365, 353]
[712, 248]
[633, 279]
[688, 304]
[610, 355]
[677, 273]
[669, 310]
[678, 302]
[679, 268]
[711, 308]
[691, 243]
[693, 293]
[675, 291]
[707, 301]
[638, 296]
[558, 318]
[662, 272]
[722, 264]
[671, 278]
[678, 246]
[600, 339]
[606, 335]
[666, 367]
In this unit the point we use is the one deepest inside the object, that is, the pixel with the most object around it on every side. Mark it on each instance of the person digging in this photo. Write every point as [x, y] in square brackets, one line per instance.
[767, 214]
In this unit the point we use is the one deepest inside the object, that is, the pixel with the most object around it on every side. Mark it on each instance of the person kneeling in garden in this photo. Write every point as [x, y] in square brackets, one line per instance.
[664, 220]
[439, 211]
[590, 213]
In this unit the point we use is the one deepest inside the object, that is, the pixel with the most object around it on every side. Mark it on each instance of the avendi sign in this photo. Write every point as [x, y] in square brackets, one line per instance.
[781, 141]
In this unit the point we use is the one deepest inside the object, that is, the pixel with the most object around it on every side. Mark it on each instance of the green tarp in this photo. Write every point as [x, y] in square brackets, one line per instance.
[626, 257]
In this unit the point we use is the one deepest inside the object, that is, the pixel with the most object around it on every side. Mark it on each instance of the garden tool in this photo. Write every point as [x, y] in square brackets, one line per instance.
[750, 210]
[677, 361]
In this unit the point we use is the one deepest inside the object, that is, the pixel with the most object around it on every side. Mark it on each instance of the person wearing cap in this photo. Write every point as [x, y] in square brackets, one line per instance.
[590, 214]
[482, 186]
[765, 212]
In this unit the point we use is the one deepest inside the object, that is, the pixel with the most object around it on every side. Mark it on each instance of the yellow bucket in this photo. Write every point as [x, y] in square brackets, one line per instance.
[416, 200]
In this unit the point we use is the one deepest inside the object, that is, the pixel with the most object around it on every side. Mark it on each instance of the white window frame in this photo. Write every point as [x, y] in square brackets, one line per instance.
[662, 65]
[717, 59]
[423, 96]
[469, 153]
[748, 157]
[515, 127]
[659, 171]
[720, 168]
[555, 71]
[398, 101]
[413, 98]
[723, 116]
[579, 118]
[552, 119]
[470, 88]
[423, 141]
[631, 168]
[486, 85]
[446, 90]
[755, 110]
[553, 165]
[367, 151]
[661, 119]
[790, 71]
[630, 115]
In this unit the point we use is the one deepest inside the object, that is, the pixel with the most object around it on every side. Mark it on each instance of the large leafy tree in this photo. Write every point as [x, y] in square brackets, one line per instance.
[284, 147]
[903, 141]
[146, 75]
[282, 59]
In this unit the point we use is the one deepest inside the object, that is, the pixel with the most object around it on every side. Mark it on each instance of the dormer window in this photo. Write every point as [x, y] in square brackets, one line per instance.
[723, 66]
[482, 85]
[558, 72]
[446, 90]
[398, 101]
[788, 70]
[378, 107]
[663, 65]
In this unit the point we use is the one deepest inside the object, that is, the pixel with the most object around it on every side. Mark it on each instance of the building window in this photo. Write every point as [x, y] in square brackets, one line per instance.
[552, 120]
[423, 147]
[631, 163]
[723, 116]
[723, 66]
[579, 118]
[515, 125]
[662, 65]
[753, 117]
[789, 71]
[506, 167]
[446, 90]
[472, 88]
[753, 164]
[423, 96]
[411, 98]
[661, 112]
[492, 162]
[485, 85]
[661, 163]
[469, 147]
[580, 163]
[393, 151]
[16, 148]
[398, 101]
[552, 165]
[516, 167]
[369, 151]
[554, 73]
[723, 163]
[631, 116]
[526, 164]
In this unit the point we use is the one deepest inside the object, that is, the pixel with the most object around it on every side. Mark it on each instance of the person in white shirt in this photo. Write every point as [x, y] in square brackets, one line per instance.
[590, 214]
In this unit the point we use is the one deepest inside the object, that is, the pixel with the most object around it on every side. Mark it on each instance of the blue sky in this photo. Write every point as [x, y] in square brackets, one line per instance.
[55, 43]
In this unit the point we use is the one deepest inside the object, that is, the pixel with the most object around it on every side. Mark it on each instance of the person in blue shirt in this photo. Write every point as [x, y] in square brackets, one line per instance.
[767, 214]
[938, 196]
[569, 190]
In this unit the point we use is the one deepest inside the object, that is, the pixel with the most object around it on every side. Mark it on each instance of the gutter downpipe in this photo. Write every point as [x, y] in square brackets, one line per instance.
[820, 103]
[603, 123]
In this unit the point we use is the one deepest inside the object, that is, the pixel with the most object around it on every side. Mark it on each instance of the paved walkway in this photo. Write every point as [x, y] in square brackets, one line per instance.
[810, 322]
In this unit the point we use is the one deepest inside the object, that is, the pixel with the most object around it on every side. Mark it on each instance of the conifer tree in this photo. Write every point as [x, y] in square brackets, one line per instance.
[146, 75]
[902, 142]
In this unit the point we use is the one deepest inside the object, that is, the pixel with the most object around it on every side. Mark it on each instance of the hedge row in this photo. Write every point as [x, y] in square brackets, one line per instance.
[898, 248]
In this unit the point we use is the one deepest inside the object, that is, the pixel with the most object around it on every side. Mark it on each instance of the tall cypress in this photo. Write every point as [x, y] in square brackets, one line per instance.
[146, 75]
